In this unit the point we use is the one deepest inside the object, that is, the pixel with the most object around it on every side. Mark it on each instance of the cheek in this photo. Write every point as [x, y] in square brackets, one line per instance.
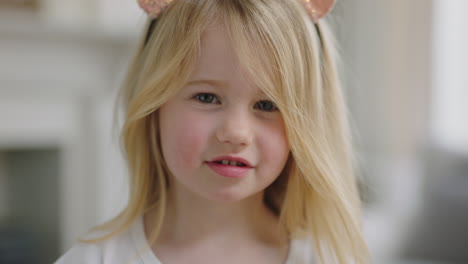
[274, 148]
[183, 139]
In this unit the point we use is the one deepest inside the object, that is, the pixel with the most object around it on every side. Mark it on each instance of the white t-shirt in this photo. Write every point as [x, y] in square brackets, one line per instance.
[131, 247]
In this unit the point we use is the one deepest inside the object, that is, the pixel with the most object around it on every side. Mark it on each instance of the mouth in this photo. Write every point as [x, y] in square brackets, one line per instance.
[232, 167]
[231, 161]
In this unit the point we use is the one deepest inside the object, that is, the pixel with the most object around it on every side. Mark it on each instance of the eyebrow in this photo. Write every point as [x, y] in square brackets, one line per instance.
[216, 83]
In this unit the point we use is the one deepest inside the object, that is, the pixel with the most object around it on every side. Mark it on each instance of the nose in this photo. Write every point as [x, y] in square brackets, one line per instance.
[235, 128]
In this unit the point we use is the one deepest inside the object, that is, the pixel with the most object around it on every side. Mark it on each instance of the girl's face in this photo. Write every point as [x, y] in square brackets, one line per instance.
[219, 115]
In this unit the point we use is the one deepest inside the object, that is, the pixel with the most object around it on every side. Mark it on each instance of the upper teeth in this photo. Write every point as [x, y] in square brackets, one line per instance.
[231, 162]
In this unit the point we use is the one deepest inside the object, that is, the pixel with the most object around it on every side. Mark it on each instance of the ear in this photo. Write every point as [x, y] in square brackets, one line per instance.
[318, 8]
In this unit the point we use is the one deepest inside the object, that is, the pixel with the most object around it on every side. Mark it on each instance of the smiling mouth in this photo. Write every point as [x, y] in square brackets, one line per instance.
[230, 163]
[228, 170]
[228, 160]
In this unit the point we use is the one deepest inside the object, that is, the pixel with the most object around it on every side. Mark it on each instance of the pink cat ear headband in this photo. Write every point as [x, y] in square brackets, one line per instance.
[315, 8]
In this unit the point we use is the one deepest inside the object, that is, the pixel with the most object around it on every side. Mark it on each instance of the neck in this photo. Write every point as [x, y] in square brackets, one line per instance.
[191, 218]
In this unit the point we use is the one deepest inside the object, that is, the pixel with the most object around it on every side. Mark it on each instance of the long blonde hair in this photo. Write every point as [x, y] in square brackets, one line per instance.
[293, 61]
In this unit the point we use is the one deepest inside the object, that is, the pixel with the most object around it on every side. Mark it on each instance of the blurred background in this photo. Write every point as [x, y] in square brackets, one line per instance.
[405, 72]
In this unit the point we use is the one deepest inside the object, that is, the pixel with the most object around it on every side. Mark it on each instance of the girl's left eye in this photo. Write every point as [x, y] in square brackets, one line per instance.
[207, 98]
[265, 105]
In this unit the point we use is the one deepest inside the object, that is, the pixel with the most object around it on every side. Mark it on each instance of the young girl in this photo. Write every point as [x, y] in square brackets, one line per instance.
[236, 139]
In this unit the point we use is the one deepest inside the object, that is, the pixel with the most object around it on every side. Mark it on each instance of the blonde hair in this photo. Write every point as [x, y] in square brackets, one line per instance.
[293, 61]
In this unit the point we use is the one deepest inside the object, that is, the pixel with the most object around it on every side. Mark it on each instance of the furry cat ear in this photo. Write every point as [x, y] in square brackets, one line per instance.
[318, 8]
[154, 7]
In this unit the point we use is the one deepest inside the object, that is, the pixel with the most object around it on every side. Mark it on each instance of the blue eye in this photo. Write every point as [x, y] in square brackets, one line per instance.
[267, 106]
[207, 98]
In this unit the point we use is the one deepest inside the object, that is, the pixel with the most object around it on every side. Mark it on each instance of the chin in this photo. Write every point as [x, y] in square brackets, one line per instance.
[229, 196]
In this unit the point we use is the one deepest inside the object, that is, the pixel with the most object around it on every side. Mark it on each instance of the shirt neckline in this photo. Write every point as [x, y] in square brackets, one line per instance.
[142, 247]
[148, 257]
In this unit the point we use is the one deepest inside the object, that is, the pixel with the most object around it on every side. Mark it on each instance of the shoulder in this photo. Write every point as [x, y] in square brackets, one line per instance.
[301, 251]
[83, 254]
[115, 250]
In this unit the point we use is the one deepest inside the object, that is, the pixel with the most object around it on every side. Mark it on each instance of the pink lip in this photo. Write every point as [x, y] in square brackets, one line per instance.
[233, 159]
[228, 170]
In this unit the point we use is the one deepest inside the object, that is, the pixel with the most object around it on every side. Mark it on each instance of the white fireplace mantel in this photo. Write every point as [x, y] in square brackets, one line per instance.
[56, 90]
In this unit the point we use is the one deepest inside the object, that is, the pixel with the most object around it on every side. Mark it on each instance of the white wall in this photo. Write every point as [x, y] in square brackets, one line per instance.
[449, 124]
[118, 16]
[112, 182]
[386, 49]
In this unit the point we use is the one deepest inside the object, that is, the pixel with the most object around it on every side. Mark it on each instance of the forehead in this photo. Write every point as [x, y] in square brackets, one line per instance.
[217, 58]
